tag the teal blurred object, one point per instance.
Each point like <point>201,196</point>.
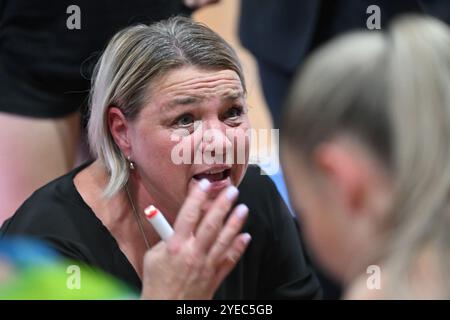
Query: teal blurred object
<point>23,251</point>
<point>30,270</point>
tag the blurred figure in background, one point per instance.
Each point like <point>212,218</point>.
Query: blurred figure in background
<point>366,154</point>
<point>280,34</point>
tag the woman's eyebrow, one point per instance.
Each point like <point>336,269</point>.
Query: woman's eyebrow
<point>182,101</point>
<point>233,95</point>
<point>185,100</point>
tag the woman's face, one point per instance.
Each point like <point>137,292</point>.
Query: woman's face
<point>342,197</point>
<point>317,210</point>
<point>194,126</point>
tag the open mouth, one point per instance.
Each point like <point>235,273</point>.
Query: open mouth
<point>214,175</point>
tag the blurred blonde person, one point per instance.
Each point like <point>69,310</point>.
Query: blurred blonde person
<point>366,152</point>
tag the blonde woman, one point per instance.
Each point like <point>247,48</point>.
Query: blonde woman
<point>367,159</point>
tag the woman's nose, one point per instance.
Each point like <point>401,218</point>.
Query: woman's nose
<point>215,140</point>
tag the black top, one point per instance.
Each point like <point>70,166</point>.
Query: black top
<point>273,267</point>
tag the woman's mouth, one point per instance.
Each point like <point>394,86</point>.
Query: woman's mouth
<point>213,175</point>
<point>219,178</point>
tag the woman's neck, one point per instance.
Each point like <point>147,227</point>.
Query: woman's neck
<point>116,214</point>
<point>90,183</point>
<point>143,198</point>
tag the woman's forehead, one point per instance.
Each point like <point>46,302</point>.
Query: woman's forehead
<point>191,83</point>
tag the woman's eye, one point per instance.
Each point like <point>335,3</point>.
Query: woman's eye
<point>185,120</point>
<point>234,113</point>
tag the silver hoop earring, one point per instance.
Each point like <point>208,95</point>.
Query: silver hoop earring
<point>130,163</point>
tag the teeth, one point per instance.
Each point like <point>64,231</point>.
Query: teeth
<point>214,171</point>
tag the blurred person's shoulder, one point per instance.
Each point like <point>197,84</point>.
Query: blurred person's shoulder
<point>364,288</point>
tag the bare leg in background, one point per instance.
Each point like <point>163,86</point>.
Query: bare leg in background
<point>32,153</point>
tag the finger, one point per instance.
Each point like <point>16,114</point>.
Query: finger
<point>227,235</point>
<point>232,256</point>
<point>212,223</point>
<point>190,212</point>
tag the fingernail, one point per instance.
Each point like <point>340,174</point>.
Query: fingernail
<point>241,211</point>
<point>204,184</point>
<point>232,192</point>
<point>246,238</point>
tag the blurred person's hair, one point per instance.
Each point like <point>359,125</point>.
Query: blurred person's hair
<point>391,90</point>
<point>135,58</point>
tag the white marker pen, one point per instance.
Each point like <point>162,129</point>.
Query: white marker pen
<point>156,218</point>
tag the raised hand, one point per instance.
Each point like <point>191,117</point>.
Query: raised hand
<point>202,251</point>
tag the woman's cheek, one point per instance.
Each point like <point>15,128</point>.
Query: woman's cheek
<point>179,149</point>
